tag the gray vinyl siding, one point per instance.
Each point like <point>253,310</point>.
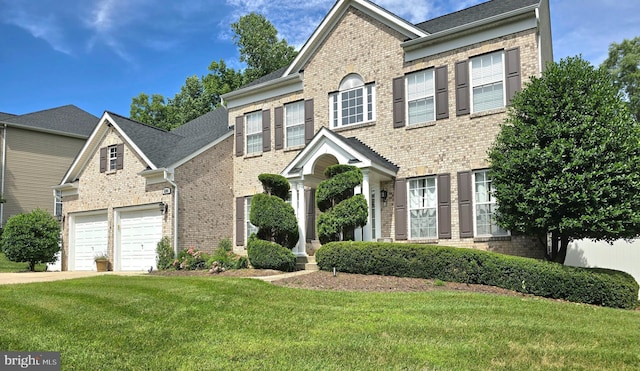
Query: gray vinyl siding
<point>35,162</point>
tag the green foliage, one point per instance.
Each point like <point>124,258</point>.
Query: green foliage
<point>223,258</point>
<point>342,211</point>
<point>31,237</point>
<point>592,286</point>
<point>270,255</point>
<point>275,185</point>
<point>275,218</point>
<point>567,160</point>
<point>623,64</point>
<point>165,256</point>
<point>259,46</point>
<point>191,259</point>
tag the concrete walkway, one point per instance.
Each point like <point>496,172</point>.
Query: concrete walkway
<point>28,277</point>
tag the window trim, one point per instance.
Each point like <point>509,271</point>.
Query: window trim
<point>249,228</point>
<point>256,134</point>
<point>503,81</point>
<point>57,200</point>
<point>287,125</point>
<point>475,204</point>
<point>368,104</point>
<point>435,207</point>
<point>112,158</point>
<point>424,97</point>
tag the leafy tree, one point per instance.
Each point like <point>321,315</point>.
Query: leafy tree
<point>274,217</point>
<point>150,110</point>
<point>342,210</point>
<point>567,159</point>
<point>259,46</point>
<point>624,65</point>
<point>31,237</point>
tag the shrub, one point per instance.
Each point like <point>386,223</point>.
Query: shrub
<point>275,185</point>
<point>31,237</point>
<point>165,255</point>
<point>270,255</point>
<point>223,258</point>
<point>191,259</point>
<point>584,285</point>
<point>275,219</point>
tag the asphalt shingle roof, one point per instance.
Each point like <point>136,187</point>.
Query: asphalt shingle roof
<point>164,148</point>
<point>6,116</point>
<point>473,14</point>
<point>66,119</point>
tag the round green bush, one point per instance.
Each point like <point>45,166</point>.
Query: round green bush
<point>269,255</point>
<point>31,237</point>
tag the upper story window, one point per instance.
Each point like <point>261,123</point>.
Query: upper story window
<point>487,82</point>
<point>294,124</point>
<point>353,103</point>
<point>485,206</point>
<point>420,97</point>
<point>423,206</point>
<point>112,158</point>
<point>253,123</point>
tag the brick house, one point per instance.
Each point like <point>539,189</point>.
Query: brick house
<point>132,184</point>
<point>414,106</point>
<point>35,151</point>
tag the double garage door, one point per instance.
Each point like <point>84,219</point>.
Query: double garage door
<point>135,240</point>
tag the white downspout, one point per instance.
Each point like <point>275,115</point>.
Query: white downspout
<point>4,165</point>
<point>175,212</point>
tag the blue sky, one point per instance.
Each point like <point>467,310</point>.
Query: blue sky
<point>98,54</point>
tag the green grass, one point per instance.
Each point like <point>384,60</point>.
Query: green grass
<point>7,266</point>
<point>204,323</point>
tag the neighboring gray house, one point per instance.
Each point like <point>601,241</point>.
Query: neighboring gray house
<point>36,150</point>
<point>133,184</point>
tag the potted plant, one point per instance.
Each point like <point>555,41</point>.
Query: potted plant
<point>102,262</point>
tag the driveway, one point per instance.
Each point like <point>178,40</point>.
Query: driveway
<point>28,277</point>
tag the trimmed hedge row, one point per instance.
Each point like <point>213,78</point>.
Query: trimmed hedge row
<point>269,255</point>
<point>604,287</point>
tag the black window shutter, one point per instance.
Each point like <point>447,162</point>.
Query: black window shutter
<point>444,206</point>
<point>239,136</point>
<point>398,102</point>
<point>465,204</point>
<point>512,72</point>
<point>278,118</point>
<point>239,221</point>
<point>442,93</point>
<point>400,202</point>
<point>266,130</point>
<point>308,121</point>
<point>103,159</point>
<point>310,198</point>
<point>462,88</point>
<point>120,156</point>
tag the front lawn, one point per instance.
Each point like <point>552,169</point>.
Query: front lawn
<point>7,266</point>
<point>204,323</point>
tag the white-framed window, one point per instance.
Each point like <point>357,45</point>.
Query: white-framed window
<point>487,81</point>
<point>423,208</point>
<point>253,123</point>
<point>353,103</point>
<point>372,211</point>
<point>250,228</point>
<point>294,124</point>
<point>57,203</point>
<point>421,105</point>
<point>112,152</point>
<point>485,206</point>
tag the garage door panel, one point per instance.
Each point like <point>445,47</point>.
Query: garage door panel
<point>140,232</point>
<point>89,239</point>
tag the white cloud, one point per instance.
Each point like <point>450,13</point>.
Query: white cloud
<point>42,26</point>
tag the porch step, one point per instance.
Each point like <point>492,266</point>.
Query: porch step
<point>306,263</point>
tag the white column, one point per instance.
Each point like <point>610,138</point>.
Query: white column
<point>366,232</point>
<point>302,241</point>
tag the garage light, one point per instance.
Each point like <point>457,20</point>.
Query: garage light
<point>163,207</point>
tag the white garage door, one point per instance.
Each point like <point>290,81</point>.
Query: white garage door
<point>89,239</point>
<point>140,232</point>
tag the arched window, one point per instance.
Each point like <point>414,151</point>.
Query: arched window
<point>354,103</point>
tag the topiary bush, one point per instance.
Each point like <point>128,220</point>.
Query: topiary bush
<point>275,218</point>
<point>269,255</point>
<point>541,278</point>
<point>165,255</point>
<point>342,211</point>
<point>31,237</point>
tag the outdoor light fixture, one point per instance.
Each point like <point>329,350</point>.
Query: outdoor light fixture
<point>163,207</point>
<point>383,195</point>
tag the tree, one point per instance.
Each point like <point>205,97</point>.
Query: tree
<point>259,46</point>
<point>567,159</point>
<point>152,111</point>
<point>31,237</point>
<point>274,217</point>
<point>342,210</point>
<point>623,64</point>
